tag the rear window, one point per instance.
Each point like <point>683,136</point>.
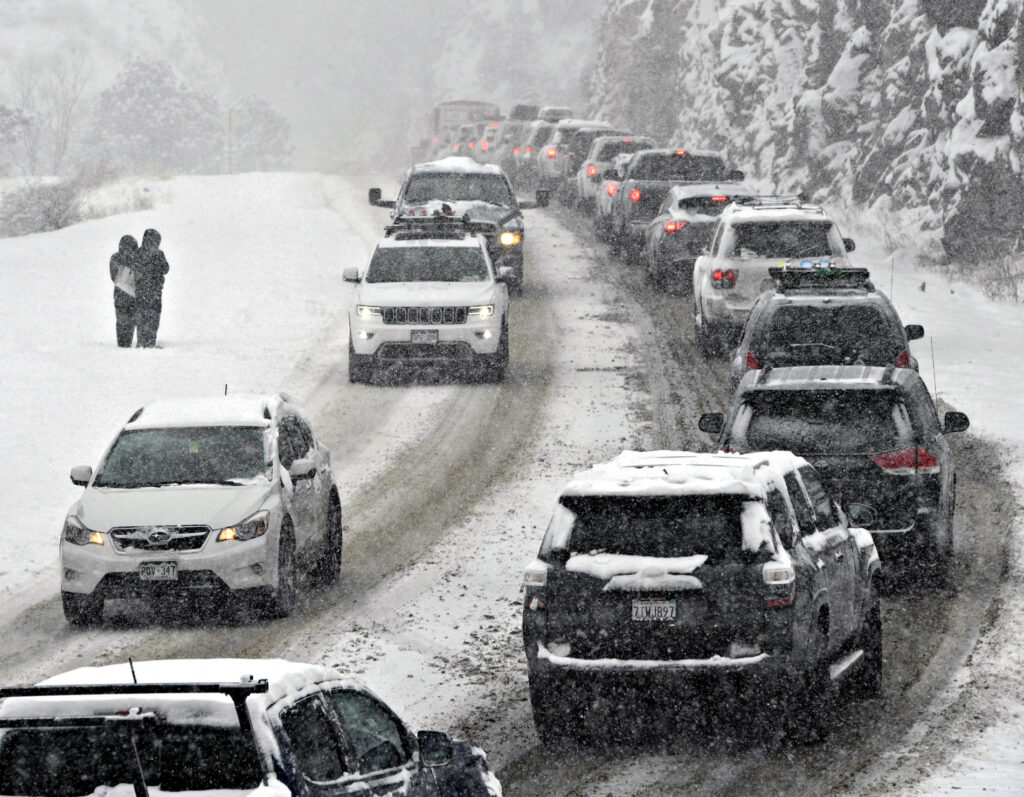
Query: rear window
<point>458,187</point>
<point>427,264</point>
<point>609,149</point>
<point>540,135</point>
<point>79,761</point>
<point>705,205</point>
<point>822,422</point>
<point>685,168</point>
<point>658,526</point>
<point>784,239</point>
<point>829,335</point>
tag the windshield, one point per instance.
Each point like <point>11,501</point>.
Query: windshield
<point>428,264</point>
<point>829,336</point>
<point>658,526</point>
<point>458,187</point>
<point>80,761</point>
<point>684,168</point>
<point>185,455</point>
<point>823,422</point>
<point>784,239</point>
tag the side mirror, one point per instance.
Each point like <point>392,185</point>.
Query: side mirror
<point>302,469</point>
<point>435,748</point>
<point>542,198</point>
<point>914,331</point>
<point>711,422</point>
<point>955,422</point>
<point>505,273</point>
<point>81,474</point>
<point>350,274</point>
<point>736,175</point>
<point>849,244</point>
<point>375,196</point>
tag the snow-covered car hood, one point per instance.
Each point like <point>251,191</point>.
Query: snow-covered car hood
<point>426,294</point>
<point>478,211</point>
<point>216,506</point>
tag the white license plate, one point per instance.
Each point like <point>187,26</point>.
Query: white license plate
<point>424,336</point>
<point>653,611</point>
<point>158,571</point>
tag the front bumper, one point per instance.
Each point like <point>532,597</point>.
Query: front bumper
<point>234,565</point>
<point>372,337</point>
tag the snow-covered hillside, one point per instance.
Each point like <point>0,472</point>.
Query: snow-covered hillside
<point>911,107</point>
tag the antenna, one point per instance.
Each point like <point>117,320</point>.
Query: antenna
<point>892,272</point>
<point>225,388</point>
<point>131,664</point>
<point>935,384</point>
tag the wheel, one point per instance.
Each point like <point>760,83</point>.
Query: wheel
<point>601,231</point>
<point>809,705</point>
<point>82,611</point>
<point>282,599</point>
<point>360,366</point>
<point>559,708</point>
<point>704,336</point>
<point>867,683</point>
<point>652,275</point>
<point>495,365</point>
<point>329,566</point>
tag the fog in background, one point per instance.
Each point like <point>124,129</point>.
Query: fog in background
<point>356,79</point>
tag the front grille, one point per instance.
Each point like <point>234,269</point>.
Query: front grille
<point>425,315</point>
<point>425,351</point>
<point>159,538</point>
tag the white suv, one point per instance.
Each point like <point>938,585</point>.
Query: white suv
<point>230,496</point>
<point>430,295</point>
<point>753,235</point>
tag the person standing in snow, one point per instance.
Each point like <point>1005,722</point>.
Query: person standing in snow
<point>151,266</point>
<point>122,274</point>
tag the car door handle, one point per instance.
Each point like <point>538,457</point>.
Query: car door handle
<point>820,564</point>
<point>840,556</point>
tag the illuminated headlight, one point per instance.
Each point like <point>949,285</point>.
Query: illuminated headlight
<point>75,532</point>
<point>482,311</point>
<point>508,238</point>
<point>255,526</point>
<point>367,311</point>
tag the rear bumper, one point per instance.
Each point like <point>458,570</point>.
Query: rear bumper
<point>761,663</point>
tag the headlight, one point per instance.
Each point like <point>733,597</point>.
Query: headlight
<point>482,311</point>
<point>367,311</point>
<point>510,238</point>
<point>255,526</point>
<point>75,532</point>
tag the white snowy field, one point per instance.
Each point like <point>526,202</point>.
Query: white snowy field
<point>254,300</point>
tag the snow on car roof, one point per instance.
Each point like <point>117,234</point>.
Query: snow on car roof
<point>470,241</point>
<point>680,473</point>
<point>687,190</point>
<point>241,409</point>
<point>700,153</point>
<point>565,124</point>
<point>781,212</point>
<point>457,163</point>
<point>831,377</point>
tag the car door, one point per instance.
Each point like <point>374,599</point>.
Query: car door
<point>382,748</point>
<point>314,751</point>
<point>300,501</point>
<point>321,480</point>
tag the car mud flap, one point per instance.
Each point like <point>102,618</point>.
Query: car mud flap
<point>846,666</point>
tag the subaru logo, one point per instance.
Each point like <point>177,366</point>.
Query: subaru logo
<point>159,536</point>
<point>821,464</point>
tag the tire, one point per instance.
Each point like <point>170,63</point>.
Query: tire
<point>82,611</point>
<point>652,275</point>
<point>495,365</point>
<point>704,337</point>
<point>560,707</point>
<point>601,229</point>
<point>329,566</point>
<point>808,711</point>
<point>360,366</point>
<point>867,683</point>
<point>282,599</point>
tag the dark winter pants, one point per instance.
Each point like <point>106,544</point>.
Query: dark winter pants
<point>124,310</point>
<point>147,316</point>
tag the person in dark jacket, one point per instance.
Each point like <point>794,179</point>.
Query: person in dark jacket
<point>150,268</point>
<point>122,274</point>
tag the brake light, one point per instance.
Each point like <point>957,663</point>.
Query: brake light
<point>780,584</point>
<point>902,463</point>
<point>634,195</point>
<point>611,188</point>
<point>680,152</point>
<point>674,226</point>
<point>903,359</point>
<point>719,199</point>
<point>591,170</point>
<point>435,139</point>
<point>723,279</point>
<point>457,145</point>
<point>529,150</point>
<point>515,150</point>
<point>752,363</point>
<point>484,145</point>
<point>495,124</point>
<point>552,152</point>
<point>627,141</point>
<point>472,144</point>
<point>535,580</point>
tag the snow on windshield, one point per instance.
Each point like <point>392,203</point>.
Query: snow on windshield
<point>458,187</point>
<point>427,264</point>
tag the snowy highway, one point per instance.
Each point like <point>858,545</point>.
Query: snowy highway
<point>446,489</point>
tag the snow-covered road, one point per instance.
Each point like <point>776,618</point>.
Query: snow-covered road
<point>446,488</point>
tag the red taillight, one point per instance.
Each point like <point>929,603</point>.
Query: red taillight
<point>752,363</point>
<point>552,152</point>
<point>472,144</point>
<point>435,139</point>
<point>529,150</point>
<point>680,152</point>
<point>627,141</point>
<point>780,584</point>
<point>484,145</point>
<point>634,195</point>
<point>515,150</point>
<point>591,170</point>
<point>457,145</point>
<point>495,124</point>
<point>723,279</point>
<point>906,462</point>
<point>719,199</point>
<point>611,188</point>
<point>674,226</point>
<point>903,359</point>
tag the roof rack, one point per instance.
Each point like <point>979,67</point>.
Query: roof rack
<point>819,275</point>
<point>437,225</point>
<point>798,201</point>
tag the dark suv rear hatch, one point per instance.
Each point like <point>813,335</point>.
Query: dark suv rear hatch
<point>656,578</point>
